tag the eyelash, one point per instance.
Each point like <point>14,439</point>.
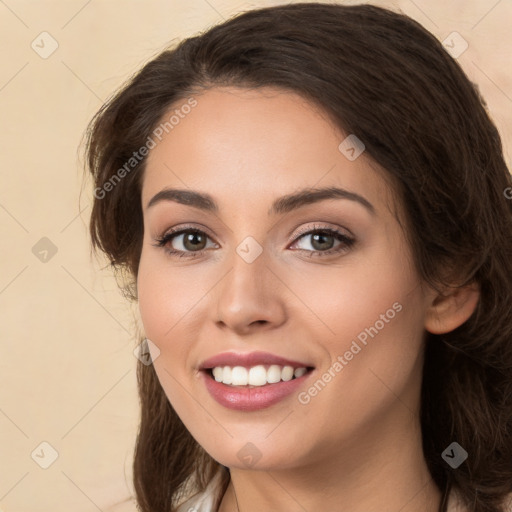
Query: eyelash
<point>346,241</point>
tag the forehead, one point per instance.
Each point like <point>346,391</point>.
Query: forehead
<point>263,142</point>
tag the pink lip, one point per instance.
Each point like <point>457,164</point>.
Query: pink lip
<point>251,399</point>
<point>249,359</point>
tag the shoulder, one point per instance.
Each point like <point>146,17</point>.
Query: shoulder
<point>203,502</point>
<point>199,502</point>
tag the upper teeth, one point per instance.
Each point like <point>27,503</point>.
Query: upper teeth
<point>256,375</point>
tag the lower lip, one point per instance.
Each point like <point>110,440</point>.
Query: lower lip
<point>251,399</point>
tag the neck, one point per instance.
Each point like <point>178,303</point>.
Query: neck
<point>385,470</point>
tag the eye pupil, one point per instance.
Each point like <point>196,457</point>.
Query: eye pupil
<point>319,238</point>
<point>193,239</point>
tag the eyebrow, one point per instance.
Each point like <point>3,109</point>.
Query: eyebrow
<point>282,205</point>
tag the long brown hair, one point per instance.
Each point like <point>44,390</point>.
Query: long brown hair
<point>382,76</point>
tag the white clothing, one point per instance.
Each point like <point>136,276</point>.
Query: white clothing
<point>204,502</point>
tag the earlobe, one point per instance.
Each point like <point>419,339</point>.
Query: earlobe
<point>450,310</point>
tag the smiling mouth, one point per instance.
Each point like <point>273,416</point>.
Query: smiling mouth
<point>256,376</point>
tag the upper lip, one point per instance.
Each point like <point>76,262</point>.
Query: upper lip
<point>249,359</point>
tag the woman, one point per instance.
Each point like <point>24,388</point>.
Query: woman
<point>310,201</point>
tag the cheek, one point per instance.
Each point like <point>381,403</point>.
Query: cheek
<point>370,315</point>
<point>172,307</point>
<point>164,301</point>
<point>168,296</point>
<point>350,297</point>
<point>372,361</point>
<point>153,302</point>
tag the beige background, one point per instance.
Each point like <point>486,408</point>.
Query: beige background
<point>67,370</point>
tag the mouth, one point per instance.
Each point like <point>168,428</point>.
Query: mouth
<point>249,389</point>
<point>253,381</point>
<point>257,375</point>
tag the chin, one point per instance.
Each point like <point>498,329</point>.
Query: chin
<point>251,455</point>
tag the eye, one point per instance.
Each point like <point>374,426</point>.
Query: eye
<point>184,242</point>
<point>323,240</point>
<point>191,242</point>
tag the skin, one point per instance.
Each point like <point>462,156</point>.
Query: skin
<point>356,446</point>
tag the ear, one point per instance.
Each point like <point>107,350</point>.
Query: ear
<point>451,308</point>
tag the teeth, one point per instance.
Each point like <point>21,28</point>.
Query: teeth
<point>227,375</point>
<point>274,374</point>
<point>239,376</point>
<point>287,373</point>
<point>256,375</point>
<point>217,373</point>
<point>299,372</point>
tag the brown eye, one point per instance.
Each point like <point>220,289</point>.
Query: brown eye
<point>185,242</point>
<point>323,241</point>
<point>194,241</point>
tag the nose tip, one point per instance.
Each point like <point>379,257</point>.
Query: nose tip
<point>245,318</point>
<point>248,298</point>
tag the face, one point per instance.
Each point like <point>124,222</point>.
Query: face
<point>325,282</point>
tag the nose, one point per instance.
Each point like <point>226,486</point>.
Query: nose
<point>250,297</point>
